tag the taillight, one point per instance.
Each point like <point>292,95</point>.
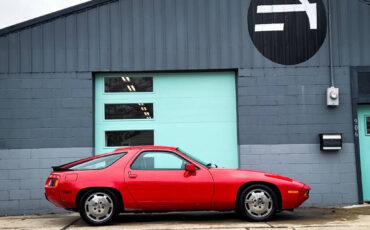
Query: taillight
<point>307,193</point>
<point>53,180</point>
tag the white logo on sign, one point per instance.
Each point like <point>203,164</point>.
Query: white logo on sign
<point>305,6</point>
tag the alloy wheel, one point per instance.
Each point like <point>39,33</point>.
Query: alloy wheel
<point>98,207</point>
<point>258,203</point>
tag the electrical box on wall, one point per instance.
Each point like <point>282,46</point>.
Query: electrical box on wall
<point>330,141</point>
<point>332,97</point>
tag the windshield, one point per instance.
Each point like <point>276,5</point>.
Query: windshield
<point>97,163</point>
<point>193,157</point>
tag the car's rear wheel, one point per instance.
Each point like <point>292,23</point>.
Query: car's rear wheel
<point>98,206</point>
<point>258,202</point>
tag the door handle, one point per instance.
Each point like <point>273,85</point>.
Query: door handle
<point>132,175</point>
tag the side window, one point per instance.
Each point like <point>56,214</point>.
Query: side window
<point>153,160</point>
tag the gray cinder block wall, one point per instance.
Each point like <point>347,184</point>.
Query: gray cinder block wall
<point>23,173</point>
<point>45,120</point>
<point>281,113</point>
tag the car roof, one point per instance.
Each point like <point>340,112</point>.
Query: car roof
<point>144,147</point>
<point>119,150</point>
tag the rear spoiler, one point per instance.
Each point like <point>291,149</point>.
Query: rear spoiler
<point>59,168</point>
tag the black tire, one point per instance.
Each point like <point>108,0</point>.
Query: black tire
<point>262,203</point>
<point>98,207</point>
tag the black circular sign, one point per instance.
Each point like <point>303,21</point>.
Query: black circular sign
<point>287,32</point>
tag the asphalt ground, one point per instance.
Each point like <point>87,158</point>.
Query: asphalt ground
<point>354,217</point>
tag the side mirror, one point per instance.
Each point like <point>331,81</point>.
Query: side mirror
<point>190,168</point>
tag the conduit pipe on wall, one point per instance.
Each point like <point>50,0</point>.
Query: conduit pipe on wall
<point>332,93</point>
<point>330,46</point>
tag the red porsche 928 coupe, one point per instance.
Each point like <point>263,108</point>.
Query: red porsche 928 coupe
<point>158,178</point>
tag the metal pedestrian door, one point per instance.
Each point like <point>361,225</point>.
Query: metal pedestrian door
<point>364,137</point>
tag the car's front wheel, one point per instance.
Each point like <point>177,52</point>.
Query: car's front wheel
<point>98,207</point>
<point>258,202</point>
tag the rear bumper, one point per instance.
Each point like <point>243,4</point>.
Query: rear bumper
<point>53,196</point>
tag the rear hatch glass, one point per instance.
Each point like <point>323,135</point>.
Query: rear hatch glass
<point>91,164</point>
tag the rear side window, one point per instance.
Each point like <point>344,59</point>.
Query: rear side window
<point>97,163</point>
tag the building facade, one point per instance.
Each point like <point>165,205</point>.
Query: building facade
<point>240,83</point>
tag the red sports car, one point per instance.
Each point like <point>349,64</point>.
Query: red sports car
<point>158,178</point>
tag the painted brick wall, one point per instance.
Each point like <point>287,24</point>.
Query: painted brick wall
<point>46,119</point>
<point>23,173</point>
<point>331,175</point>
<point>288,105</point>
<point>281,113</point>
<point>48,110</point>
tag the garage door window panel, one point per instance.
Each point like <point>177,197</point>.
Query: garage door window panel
<point>128,84</point>
<point>129,138</point>
<point>129,111</point>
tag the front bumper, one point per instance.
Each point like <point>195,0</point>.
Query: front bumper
<point>303,195</point>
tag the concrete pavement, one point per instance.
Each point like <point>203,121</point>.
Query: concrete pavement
<point>356,217</point>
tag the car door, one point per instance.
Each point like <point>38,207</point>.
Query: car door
<point>157,180</point>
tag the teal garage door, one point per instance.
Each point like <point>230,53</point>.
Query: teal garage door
<point>193,111</point>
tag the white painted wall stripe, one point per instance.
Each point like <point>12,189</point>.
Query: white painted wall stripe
<point>281,8</point>
<point>269,27</point>
<point>305,6</point>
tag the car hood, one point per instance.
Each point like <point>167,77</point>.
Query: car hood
<point>255,174</point>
